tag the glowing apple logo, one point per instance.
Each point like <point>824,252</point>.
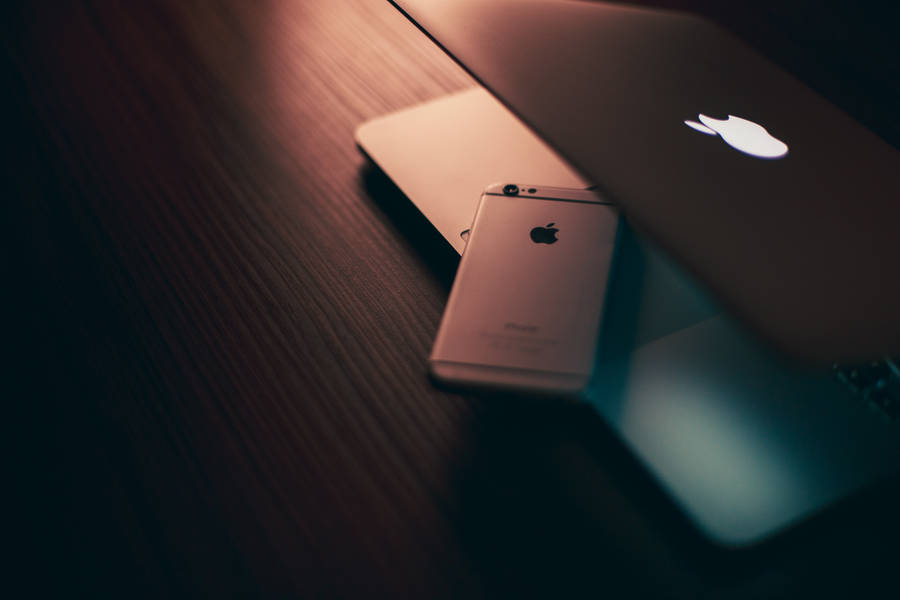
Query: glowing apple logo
<point>741,134</point>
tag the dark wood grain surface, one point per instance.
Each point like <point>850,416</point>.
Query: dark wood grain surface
<point>218,317</point>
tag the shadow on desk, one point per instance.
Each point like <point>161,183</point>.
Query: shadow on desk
<point>553,505</point>
<point>410,225</point>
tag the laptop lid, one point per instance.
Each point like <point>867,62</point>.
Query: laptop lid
<point>779,201</point>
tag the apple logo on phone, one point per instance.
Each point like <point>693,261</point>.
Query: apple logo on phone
<point>544,235</point>
<point>748,137</point>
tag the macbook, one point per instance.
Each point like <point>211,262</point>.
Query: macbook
<point>777,200</point>
<point>746,226</point>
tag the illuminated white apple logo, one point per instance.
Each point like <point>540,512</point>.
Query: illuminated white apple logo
<point>741,134</point>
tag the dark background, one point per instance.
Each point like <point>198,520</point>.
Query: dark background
<point>217,319</point>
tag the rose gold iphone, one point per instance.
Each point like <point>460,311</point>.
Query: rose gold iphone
<point>525,309</point>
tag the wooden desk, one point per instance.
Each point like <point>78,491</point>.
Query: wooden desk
<point>219,317</point>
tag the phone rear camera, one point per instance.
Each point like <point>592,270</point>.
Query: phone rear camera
<point>510,189</point>
<point>531,190</point>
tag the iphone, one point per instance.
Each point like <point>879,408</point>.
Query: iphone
<point>525,309</point>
